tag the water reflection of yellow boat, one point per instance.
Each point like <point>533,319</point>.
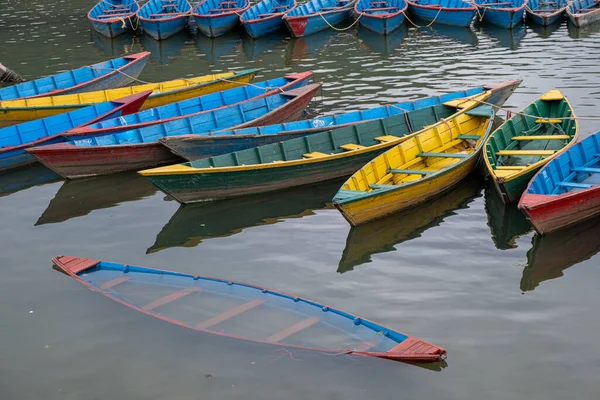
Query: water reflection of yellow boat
<point>383,235</point>
<point>552,254</point>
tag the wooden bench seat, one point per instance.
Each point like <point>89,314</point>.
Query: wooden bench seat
<point>469,137</point>
<point>542,137</point>
<point>314,154</point>
<point>587,170</point>
<point>380,9</point>
<point>112,16</point>
<point>408,171</point>
<point>548,121</point>
<point>167,15</point>
<point>443,155</point>
<point>223,10</point>
<point>386,138</point>
<point>352,147</point>
<point>510,153</point>
<point>573,185</point>
<point>376,186</point>
<point>510,167</point>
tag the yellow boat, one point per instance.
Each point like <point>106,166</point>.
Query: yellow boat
<point>412,172</point>
<point>18,111</point>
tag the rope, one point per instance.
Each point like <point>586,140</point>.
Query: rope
<point>422,26</point>
<point>341,29</point>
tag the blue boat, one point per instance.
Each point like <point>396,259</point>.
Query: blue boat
<point>246,312</point>
<point>195,147</point>
<point>381,16</point>
<point>445,12</point>
<point>217,17</point>
<point>583,12</point>
<point>105,75</point>
<point>111,18</point>
<point>317,15</point>
<point>162,19</point>
<point>15,139</point>
<point>545,12</point>
<point>266,17</point>
<point>502,13</point>
<point>189,107</point>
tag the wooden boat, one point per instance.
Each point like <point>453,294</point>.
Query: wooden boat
<point>522,145</point>
<point>550,255</point>
<point>383,17</point>
<point>217,17</point>
<point>583,12</point>
<point>384,235</point>
<point>105,75</point>
<point>162,19</point>
<point>17,111</point>
<point>566,190</point>
<point>445,12</point>
<point>138,149</point>
<point>111,18</point>
<point>418,169</point>
<point>14,140</point>
<point>275,318</point>
<point>502,13</point>
<point>317,15</point>
<point>265,17</point>
<point>545,13</point>
<point>195,147</point>
<point>307,160</point>
<point>197,105</point>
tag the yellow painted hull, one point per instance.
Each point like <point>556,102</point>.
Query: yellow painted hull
<point>371,208</point>
<point>18,111</point>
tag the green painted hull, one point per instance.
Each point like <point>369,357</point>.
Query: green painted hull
<point>511,191</point>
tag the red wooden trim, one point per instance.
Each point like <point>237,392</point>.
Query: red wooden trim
<point>114,282</point>
<point>74,265</point>
<point>171,297</point>
<point>230,314</point>
<point>307,323</point>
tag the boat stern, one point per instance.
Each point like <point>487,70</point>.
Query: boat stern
<point>501,91</point>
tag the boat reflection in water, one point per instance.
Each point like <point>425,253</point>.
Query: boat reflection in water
<point>506,222</point>
<point>274,42</point>
<point>509,38</point>
<point>382,44</point>
<point>192,224</point>
<point>384,234</point>
<point>459,34</point>
<point>298,48</point>
<point>544,31</point>
<point>164,51</point>
<point>583,32</point>
<point>126,43</point>
<point>554,253</point>
<point>215,48</point>
<point>25,177</point>
<point>79,197</point>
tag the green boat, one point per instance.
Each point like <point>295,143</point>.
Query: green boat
<point>523,144</point>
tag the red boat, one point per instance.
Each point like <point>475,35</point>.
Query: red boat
<point>567,190</point>
<point>139,148</point>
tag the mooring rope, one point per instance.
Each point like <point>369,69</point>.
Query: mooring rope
<point>340,29</point>
<point>422,26</point>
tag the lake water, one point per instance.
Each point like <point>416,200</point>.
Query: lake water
<point>517,313</point>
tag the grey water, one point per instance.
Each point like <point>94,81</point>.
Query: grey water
<point>517,313</point>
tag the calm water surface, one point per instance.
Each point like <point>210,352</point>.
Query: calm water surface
<point>517,313</point>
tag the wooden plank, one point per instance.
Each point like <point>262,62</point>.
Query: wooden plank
<point>292,330</point>
<point>542,137</point>
<point>314,154</point>
<point>587,169</point>
<point>408,171</point>
<point>114,282</point>
<point>574,185</point>
<point>386,138</point>
<point>525,152</point>
<point>443,155</point>
<point>352,147</point>
<point>234,312</point>
<point>171,297</point>
<point>375,186</point>
<point>510,167</point>
<point>469,137</point>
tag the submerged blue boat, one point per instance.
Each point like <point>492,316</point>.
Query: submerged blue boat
<point>381,16</point>
<point>201,104</point>
<point>502,13</point>
<point>317,15</point>
<point>246,312</point>
<point>266,17</point>
<point>217,17</point>
<point>445,12</point>
<point>105,75</point>
<point>15,139</point>
<point>162,19</point>
<point>194,147</point>
<point>583,12</point>
<point>111,18</point>
<point>545,12</point>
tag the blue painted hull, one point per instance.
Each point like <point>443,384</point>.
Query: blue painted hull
<point>214,26</point>
<point>383,26</point>
<point>113,29</point>
<point>259,28</point>
<point>503,19</point>
<point>161,30</point>
<point>461,18</point>
<point>307,25</point>
<point>19,158</point>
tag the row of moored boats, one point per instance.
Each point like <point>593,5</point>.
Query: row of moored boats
<point>164,18</point>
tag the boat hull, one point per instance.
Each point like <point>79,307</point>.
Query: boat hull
<point>161,30</point>
<point>548,214</point>
<point>511,191</point>
<point>384,25</point>
<point>114,29</point>
<point>445,16</point>
<point>257,28</point>
<point>508,18</point>
<point>580,20</point>
<point>214,26</point>
<point>369,209</point>
<point>306,25</point>
<point>544,19</point>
